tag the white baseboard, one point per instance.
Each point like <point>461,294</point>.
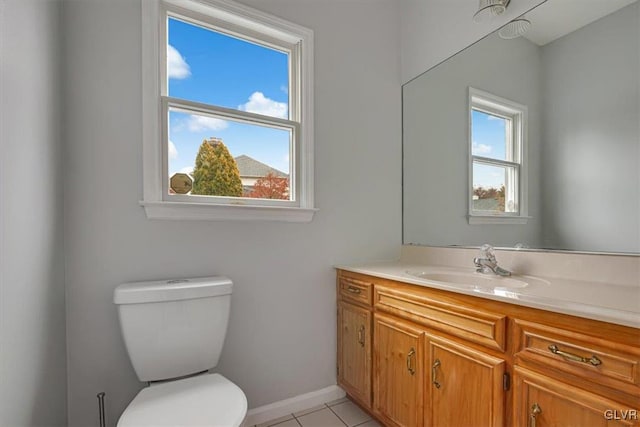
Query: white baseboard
<point>279,409</point>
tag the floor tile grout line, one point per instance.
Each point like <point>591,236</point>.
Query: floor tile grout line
<point>355,425</point>
<point>321,409</point>
<point>312,412</point>
<point>343,422</point>
<point>293,417</point>
<point>326,406</point>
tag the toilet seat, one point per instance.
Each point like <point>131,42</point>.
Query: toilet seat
<point>206,400</point>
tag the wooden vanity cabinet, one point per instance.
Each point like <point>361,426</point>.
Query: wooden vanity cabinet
<point>415,356</point>
<point>463,347</point>
<point>355,338</point>
<point>465,386</point>
<point>543,401</point>
<point>398,380</point>
<point>354,363</point>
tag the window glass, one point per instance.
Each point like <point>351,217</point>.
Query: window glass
<point>214,68</point>
<point>494,188</point>
<point>246,160</point>
<point>490,136</point>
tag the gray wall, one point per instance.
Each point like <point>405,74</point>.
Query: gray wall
<point>436,143</point>
<point>281,339</point>
<point>32,326</point>
<point>591,138</point>
<point>433,30</point>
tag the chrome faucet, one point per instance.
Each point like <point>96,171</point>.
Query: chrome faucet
<point>486,263</point>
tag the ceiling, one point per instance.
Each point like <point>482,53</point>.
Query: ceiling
<point>556,18</point>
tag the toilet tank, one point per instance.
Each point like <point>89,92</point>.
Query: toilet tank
<point>173,328</point>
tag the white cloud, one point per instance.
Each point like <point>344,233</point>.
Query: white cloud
<point>187,170</point>
<point>173,151</point>
<point>260,104</point>
<point>284,88</point>
<point>480,148</point>
<point>177,67</point>
<point>201,123</point>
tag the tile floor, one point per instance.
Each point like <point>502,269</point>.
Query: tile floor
<point>339,413</point>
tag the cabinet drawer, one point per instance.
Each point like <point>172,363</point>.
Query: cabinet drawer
<point>355,290</point>
<point>544,401</point>
<point>477,326</point>
<point>596,359</point>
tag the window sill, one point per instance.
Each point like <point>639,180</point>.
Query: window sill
<point>494,219</point>
<point>209,212</point>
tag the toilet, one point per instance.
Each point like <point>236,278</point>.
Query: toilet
<point>174,332</point>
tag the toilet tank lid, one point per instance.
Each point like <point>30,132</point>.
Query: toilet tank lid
<point>172,290</point>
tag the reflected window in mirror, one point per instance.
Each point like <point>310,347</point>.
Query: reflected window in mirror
<point>497,166</point>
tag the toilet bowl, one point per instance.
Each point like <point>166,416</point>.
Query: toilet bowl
<point>174,332</point>
<point>205,400</point>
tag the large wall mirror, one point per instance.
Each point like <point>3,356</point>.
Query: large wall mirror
<point>530,142</point>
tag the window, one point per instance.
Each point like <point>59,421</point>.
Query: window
<point>497,167</point>
<point>227,113</point>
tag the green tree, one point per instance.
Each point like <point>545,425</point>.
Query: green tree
<point>216,172</point>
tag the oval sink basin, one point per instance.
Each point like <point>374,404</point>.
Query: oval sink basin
<point>470,279</point>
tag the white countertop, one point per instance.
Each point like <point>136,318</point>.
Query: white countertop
<point>612,303</point>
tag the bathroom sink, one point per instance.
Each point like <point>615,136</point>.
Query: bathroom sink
<point>471,279</point>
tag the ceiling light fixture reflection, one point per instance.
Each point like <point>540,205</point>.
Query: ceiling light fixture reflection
<point>487,9</point>
<point>515,28</point>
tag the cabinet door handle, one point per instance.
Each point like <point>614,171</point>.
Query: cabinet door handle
<point>535,411</point>
<point>353,289</point>
<point>410,356</point>
<point>593,360</point>
<point>361,335</point>
<point>434,372</point>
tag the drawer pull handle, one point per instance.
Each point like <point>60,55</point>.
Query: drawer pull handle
<point>361,335</point>
<point>434,373</point>
<point>535,411</point>
<point>593,360</point>
<point>353,290</point>
<point>410,356</point>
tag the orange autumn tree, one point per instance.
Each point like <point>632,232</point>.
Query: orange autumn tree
<point>492,193</point>
<point>271,187</point>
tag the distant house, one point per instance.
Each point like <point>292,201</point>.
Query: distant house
<point>252,170</point>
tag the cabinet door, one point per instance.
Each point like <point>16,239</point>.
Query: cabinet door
<point>466,386</point>
<point>354,351</point>
<point>398,372</point>
<point>541,401</point>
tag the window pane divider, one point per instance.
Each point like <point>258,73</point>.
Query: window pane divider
<point>494,162</point>
<point>229,113</point>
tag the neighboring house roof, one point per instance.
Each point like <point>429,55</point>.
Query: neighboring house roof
<point>251,167</point>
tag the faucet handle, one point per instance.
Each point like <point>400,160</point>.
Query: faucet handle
<point>486,251</point>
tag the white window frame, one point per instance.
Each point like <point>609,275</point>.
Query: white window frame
<point>234,19</point>
<point>517,115</point>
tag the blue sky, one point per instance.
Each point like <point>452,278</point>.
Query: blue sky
<point>488,140</point>
<point>212,68</point>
